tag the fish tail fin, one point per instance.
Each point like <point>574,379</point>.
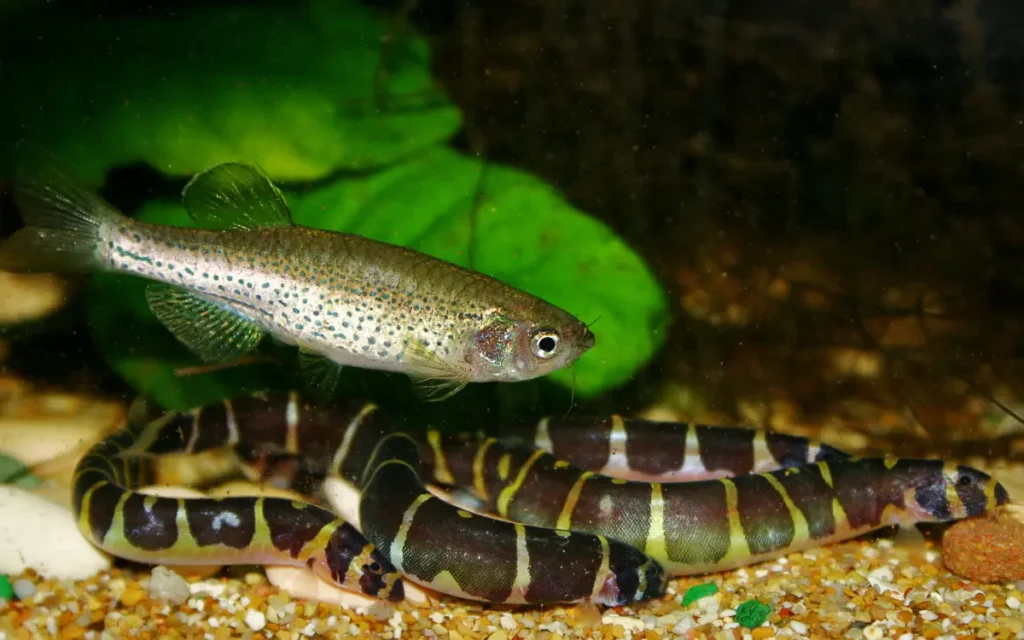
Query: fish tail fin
<point>65,221</point>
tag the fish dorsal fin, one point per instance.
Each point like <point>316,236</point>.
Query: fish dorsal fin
<point>212,332</point>
<point>234,195</point>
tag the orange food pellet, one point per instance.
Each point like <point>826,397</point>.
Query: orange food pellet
<point>986,549</point>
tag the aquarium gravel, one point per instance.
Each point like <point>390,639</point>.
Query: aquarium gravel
<point>881,589</point>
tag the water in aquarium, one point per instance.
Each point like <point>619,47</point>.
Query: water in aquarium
<point>541,319</point>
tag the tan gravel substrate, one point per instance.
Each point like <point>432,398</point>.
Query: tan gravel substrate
<point>880,589</point>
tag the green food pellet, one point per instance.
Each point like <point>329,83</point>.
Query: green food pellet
<point>699,591</point>
<point>752,613</point>
<point>6,592</point>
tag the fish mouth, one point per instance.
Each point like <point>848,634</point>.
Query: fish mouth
<point>587,340</point>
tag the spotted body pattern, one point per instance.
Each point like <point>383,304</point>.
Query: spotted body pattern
<point>743,495</point>
<point>342,299</point>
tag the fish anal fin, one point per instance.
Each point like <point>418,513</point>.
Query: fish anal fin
<point>320,374</point>
<point>235,195</point>
<point>213,333</point>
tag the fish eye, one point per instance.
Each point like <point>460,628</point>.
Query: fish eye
<point>545,344</point>
<point>375,567</point>
<point>964,481</point>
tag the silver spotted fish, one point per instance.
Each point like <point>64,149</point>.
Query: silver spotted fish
<point>342,299</point>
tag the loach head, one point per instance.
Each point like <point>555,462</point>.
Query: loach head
<point>632,576</point>
<point>945,491</point>
<point>533,342</point>
<point>377,577</point>
<point>364,571</point>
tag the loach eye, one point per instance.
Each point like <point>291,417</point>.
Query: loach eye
<point>964,481</point>
<point>545,344</point>
<point>375,567</point>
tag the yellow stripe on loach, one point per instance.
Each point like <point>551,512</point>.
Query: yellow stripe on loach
<point>801,530</point>
<point>655,546</point>
<point>117,523</point>
<point>738,546</point>
<point>504,464</point>
<point>441,471</point>
<point>479,478</point>
<point>826,473</point>
<point>506,495</point>
<point>346,440</point>
<point>397,551</point>
<point>319,543</point>
<point>565,517</point>
<point>521,584</point>
<point>261,538</point>
<point>957,509</point>
<point>606,563</point>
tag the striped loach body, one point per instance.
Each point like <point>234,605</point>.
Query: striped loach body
<point>429,540</point>
<point>713,525</point>
<point>476,557</point>
<point>229,530</point>
<point>732,496</point>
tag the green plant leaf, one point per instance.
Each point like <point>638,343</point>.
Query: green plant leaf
<point>293,87</point>
<point>527,236</point>
<point>13,471</point>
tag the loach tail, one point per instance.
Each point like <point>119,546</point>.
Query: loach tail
<point>65,221</point>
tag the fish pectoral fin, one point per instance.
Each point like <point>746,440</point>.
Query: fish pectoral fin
<point>234,195</point>
<point>210,331</point>
<point>320,374</point>
<point>433,378</point>
<point>436,389</point>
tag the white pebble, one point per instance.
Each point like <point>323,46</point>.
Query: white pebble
<point>508,622</point>
<point>32,527</point>
<point>874,632</point>
<point>165,584</point>
<point>929,615</point>
<point>1013,602</point>
<point>215,589</point>
<point>23,589</point>
<point>798,627</point>
<point>629,624</point>
<point>255,619</point>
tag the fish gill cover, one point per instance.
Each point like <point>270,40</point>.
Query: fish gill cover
<point>353,130</point>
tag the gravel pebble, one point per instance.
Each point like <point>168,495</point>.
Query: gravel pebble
<point>255,620</point>
<point>823,593</point>
<point>23,589</point>
<point>165,584</point>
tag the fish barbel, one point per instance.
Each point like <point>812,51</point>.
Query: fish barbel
<point>342,299</point>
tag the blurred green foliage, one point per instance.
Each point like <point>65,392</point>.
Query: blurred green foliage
<point>301,92</point>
